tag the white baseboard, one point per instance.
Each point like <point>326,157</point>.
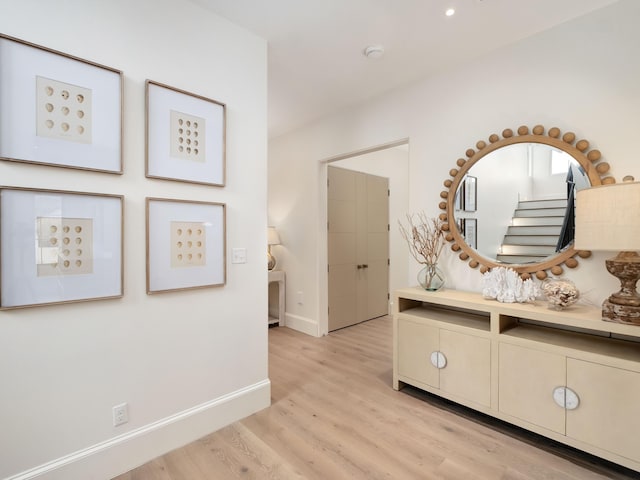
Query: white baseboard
<point>120,454</point>
<point>301,324</point>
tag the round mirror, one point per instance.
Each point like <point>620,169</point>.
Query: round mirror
<point>511,201</point>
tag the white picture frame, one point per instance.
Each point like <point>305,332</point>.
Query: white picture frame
<point>185,136</point>
<point>59,247</point>
<point>186,244</point>
<point>59,110</point>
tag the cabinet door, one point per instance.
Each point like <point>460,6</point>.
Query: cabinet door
<point>527,379</point>
<point>607,416</point>
<point>416,342</point>
<point>468,370</point>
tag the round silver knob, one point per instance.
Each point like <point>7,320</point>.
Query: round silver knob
<point>438,360</point>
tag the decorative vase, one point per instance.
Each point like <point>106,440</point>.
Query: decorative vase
<point>560,292</point>
<point>431,277</point>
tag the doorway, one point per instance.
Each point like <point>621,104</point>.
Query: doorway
<point>358,246</point>
<point>390,160</point>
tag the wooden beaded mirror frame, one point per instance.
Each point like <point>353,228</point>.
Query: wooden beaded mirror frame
<point>590,160</point>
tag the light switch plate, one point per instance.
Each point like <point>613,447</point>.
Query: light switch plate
<point>239,255</point>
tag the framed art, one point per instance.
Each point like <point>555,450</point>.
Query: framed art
<point>60,110</point>
<point>186,244</point>
<point>470,194</point>
<point>471,232</point>
<point>457,201</point>
<point>185,136</point>
<point>59,247</point>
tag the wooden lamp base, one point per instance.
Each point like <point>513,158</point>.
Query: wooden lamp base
<point>624,305</point>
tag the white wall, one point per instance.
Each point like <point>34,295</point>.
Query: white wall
<point>546,185</point>
<point>582,76</point>
<point>187,362</point>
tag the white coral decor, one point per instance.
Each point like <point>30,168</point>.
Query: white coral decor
<point>505,285</point>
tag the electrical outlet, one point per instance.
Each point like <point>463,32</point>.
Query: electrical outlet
<point>120,414</point>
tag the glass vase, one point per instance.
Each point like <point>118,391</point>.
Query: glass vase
<point>431,277</point>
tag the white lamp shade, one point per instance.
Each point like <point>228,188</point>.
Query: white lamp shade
<point>272,236</point>
<point>608,217</point>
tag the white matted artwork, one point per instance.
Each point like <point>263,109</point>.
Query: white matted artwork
<point>59,247</point>
<point>470,193</point>
<point>64,246</point>
<point>56,109</point>
<point>63,111</point>
<point>185,136</point>
<point>186,244</point>
<point>471,232</point>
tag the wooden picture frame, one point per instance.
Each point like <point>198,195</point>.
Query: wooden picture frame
<point>185,136</point>
<point>59,247</point>
<point>186,244</point>
<point>59,110</point>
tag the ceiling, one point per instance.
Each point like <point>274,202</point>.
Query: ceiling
<point>315,47</point>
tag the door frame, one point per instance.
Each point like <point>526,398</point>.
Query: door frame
<point>323,250</point>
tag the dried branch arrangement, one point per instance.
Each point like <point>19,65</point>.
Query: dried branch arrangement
<point>424,236</point>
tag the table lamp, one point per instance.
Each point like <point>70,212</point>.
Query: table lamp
<point>272,239</point>
<point>608,218</point>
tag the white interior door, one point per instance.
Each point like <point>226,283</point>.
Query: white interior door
<point>358,236</point>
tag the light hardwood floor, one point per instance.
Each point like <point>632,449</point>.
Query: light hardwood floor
<point>335,416</point>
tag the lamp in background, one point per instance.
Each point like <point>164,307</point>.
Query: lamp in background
<point>272,239</point>
<point>608,218</point>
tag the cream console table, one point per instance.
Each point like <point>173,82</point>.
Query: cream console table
<point>276,317</point>
<point>566,375</point>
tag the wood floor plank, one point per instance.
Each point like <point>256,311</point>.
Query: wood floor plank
<point>179,465</point>
<point>153,470</point>
<point>335,416</point>
<point>293,446</point>
<point>236,451</point>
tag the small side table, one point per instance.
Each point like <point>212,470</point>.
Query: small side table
<point>276,315</point>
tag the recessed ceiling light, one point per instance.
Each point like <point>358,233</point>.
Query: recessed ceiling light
<point>373,51</point>
<point>449,12</point>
